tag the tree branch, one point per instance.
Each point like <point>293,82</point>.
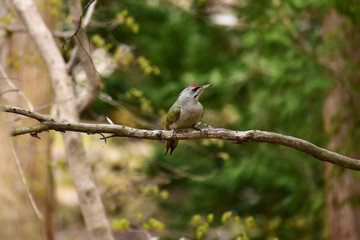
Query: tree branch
<point>21,28</point>
<point>27,113</point>
<point>217,133</point>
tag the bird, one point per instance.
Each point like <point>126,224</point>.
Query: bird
<point>185,113</point>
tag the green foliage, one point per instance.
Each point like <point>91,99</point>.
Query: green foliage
<point>129,21</point>
<point>121,225</point>
<point>235,225</point>
<point>136,95</point>
<point>146,67</point>
<point>98,41</point>
<point>124,224</point>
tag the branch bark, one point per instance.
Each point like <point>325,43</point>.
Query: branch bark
<point>90,202</point>
<point>217,133</point>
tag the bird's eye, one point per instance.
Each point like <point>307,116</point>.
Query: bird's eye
<point>195,89</point>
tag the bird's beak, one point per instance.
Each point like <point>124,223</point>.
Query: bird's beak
<point>202,89</point>
<point>206,86</point>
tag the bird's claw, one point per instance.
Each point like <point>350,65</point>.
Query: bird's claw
<point>197,126</point>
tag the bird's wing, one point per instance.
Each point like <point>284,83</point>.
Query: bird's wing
<point>172,116</point>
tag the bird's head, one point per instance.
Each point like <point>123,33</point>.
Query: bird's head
<point>194,92</point>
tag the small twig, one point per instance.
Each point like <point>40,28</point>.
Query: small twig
<point>109,120</point>
<point>84,25</point>
<point>103,137</point>
<point>35,135</point>
<point>184,174</point>
<point>32,201</point>
<point>107,137</point>
<point>79,25</point>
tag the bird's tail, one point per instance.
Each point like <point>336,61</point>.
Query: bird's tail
<point>171,144</point>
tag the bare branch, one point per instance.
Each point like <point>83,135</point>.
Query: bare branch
<point>27,113</point>
<point>89,14</point>
<point>13,28</point>
<point>216,133</point>
<point>21,28</point>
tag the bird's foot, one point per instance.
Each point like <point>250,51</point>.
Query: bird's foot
<point>196,128</point>
<point>201,125</point>
<point>173,133</point>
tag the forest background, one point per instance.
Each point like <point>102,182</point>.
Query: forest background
<point>290,67</point>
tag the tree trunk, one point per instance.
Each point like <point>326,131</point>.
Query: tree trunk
<point>341,123</point>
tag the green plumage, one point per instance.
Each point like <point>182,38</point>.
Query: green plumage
<point>172,116</point>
